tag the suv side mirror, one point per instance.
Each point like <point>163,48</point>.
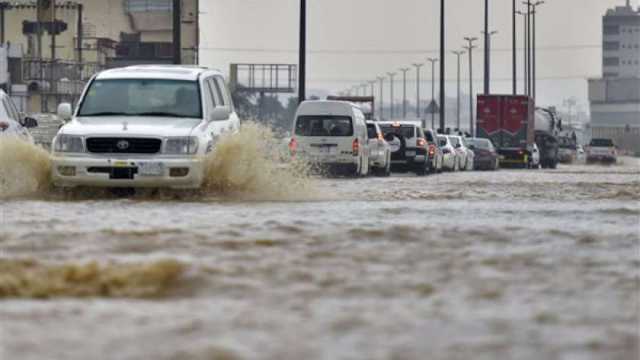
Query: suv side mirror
<point>65,112</point>
<point>29,122</point>
<point>220,113</point>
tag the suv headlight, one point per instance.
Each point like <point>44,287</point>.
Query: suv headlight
<point>69,144</point>
<point>187,145</point>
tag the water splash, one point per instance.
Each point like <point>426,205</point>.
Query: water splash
<point>24,168</point>
<point>249,165</point>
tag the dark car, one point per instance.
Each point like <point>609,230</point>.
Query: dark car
<point>486,154</point>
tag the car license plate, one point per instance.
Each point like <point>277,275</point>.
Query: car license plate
<point>410,153</point>
<point>326,150</point>
<point>150,169</point>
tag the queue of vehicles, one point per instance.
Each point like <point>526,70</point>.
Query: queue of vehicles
<point>150,126</point>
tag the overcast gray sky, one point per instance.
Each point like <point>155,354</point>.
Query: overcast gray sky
<point>351,41</point>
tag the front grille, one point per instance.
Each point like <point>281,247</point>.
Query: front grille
<point>124,145</point>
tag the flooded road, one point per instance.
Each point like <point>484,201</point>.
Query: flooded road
<point>504,265</point>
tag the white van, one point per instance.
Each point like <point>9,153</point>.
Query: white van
<point>143,126</point>
<point>332,135</point>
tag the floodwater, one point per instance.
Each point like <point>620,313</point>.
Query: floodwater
<point>483,265</point>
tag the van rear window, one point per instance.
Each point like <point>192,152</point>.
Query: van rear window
<point>601,143</point>
<point>323,125</point>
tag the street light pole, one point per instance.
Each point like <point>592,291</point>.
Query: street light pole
<point>470,48</point>
<point>525,50</point>
<point>404,91</point>
<point>514,54</point>
<point>535,10</point>
<point>487,82</point>
<point>302,62</point>
<point>418,66</point>
<point>458,54</point>
<point>433,62</point>
<point>529,12</point>
<point>392,99</point>
<point>381,79</point>
<point>487,72</point>
<point>442,66</point>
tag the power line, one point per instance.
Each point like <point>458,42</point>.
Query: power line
<point>504,79</point>
<point>391,51</point>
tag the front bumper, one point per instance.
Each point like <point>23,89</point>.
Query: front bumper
<point>114,172</point>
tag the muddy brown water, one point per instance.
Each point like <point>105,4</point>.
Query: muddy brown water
<point>483,265</point>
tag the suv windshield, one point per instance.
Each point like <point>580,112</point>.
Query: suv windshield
<point>142,97</point>
<point>324,125</point>
<point>454,141</point>
<point>601,143</point>
<point>407,132</point>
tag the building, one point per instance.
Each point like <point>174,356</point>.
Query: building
<point>76,39</point>
<point>615,98</point>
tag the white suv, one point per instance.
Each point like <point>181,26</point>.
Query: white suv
<point>143,126</point>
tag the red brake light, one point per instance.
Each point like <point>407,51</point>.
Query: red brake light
<point>293,146</point>
<point>421,143</point>
<point>380,137</point>
<point>356,147</point>
<point>4,126</point>
<point>432,149</point>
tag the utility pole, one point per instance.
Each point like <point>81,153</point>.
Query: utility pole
<point>470,48</point>
<point>442,66</point>
<point>529,12</point>
<point>418,66</point>
<point>373,85</point>
<point>381,79</point>
<point>433,62</point>
<point>391,112</point>
<point>487,82</point>
<point>80,31</point>
<point>514,54</point>
<point>487,72</point>
<point>404,91</point>
<point>302,61</point>
<point>525,52</point>
<point>535,10</point>
<point>177,32</point>
<point>3,7</point>
<point>458,54</point>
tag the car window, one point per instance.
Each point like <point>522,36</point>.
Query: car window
<point>406,131</point>
<point>8,110</point>
<point>13,109</point>
<point>152,97</point>
<point>601,142</point>
<point>442,141</point>
<point>481,144</point>
<point>212,92</point>
<point>209,99</point>
<point>324,125</point>
<point>429,136</point>
<point>454,141</point>
<point>372,133</point>
<point>220,94</point>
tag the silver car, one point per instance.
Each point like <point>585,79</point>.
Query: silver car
<point>12,122</point>
<point>379,150</point>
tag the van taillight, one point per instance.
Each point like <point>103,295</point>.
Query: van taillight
<point>356,147</point>
<point>4,126</point>
<point>293,146</point>
<point>380,137</point>
<point>421,143</point>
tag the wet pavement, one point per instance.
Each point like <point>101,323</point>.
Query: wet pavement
<point>483,265</point>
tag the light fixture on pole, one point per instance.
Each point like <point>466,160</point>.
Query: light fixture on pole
<point>469,49</point>
<point>458,54</point>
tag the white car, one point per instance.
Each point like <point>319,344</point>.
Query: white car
<point>12,122</point>
<point>409,147</point>
<point>449,155</point>
<point>534,160</point>
<point>143,126</point>
<point>465,155</point>
<point>331,135</point>
<point>379,150</point>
